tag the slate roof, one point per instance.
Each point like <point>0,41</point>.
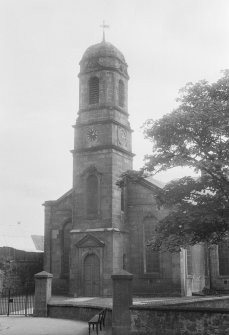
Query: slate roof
<point>155,182</point>
<point>38,241</point>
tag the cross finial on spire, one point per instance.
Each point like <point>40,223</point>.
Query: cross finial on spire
<point>104,26</point>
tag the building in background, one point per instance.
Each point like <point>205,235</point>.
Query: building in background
<point>20,258</point>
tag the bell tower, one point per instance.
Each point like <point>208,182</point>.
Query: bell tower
<point>102,151</point>
<point>102,146</point>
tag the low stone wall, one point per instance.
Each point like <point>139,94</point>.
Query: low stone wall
<point>73,312</point>
<point>174,320</point>
<point>212,302</point>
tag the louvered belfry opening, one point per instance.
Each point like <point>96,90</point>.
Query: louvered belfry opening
<point>94,90</point>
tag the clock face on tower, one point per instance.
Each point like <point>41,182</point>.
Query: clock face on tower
<point>92,134</point>
<point>122,137</point>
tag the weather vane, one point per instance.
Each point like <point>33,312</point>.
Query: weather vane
<point>104,26</point>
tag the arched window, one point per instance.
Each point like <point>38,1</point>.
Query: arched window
<point>93,90</point>
<point>151,258</point>
<point>92,195</point>
<point>223,254</point>
<point>124,261</point>
<point>121,93</point>
<point>66,248</point>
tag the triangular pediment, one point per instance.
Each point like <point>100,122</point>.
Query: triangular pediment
<point>89,241</point>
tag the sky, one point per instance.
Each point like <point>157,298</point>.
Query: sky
<point>166,44</point>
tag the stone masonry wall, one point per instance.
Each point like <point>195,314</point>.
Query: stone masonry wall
<point>179,321</point>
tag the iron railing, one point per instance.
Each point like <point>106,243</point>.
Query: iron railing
<point>17,301</point>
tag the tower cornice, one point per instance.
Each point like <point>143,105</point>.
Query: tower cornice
<point>103,68</point>
<point>103,106</point>
<point>107,121</point>
<point>103,147</point>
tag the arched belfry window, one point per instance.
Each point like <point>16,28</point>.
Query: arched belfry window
<point>92,195</point>
<point>93,90</point>
<point>151,258</point>
<point>66,248</point>
<point>121,93</point>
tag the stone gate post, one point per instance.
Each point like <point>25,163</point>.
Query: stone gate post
<point>122,300</point>
<point>43,289</point>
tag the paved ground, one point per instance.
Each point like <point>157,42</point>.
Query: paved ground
<point>21,325</point>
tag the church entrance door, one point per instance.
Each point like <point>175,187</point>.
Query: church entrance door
<point>91,276</point>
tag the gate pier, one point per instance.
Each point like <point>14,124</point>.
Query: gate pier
<point>43,288</point>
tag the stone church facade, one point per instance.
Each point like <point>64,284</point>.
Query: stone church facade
<point>97,228</point>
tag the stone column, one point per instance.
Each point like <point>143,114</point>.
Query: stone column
<point>43,288</point>
<point>122,300</point>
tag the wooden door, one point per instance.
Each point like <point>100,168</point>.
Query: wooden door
<point>91,276</point>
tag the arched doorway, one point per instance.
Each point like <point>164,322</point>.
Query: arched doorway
<point>91,276</point>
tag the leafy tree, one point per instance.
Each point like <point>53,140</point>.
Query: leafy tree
<point>195,135</point>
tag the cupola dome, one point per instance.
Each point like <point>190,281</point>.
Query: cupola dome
<point>103,49</point>
<point>103,56</point>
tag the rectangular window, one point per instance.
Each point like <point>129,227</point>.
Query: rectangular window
<point>122,200</point>
<point>189,261</point>
<point>223,255</point>
<point>206,260</point>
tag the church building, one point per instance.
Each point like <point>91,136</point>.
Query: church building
<point>98,228</point>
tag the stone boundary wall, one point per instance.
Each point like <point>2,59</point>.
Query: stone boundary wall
<point>179,320</point>
<point>73,312</point>
<point>212,302</point>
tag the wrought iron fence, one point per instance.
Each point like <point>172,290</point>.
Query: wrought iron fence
<point>17,301</point>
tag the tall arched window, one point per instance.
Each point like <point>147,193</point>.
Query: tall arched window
<point>92,195</point>
<point>121,93</point>
<point>93,90</point>
<point>151,258</point>
<point>223,254</point>
<point>124,261</point>
<point>66,248</point>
